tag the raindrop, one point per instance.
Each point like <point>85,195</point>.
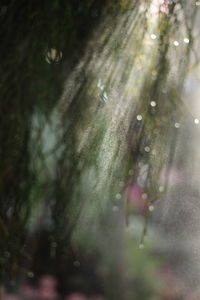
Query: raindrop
<point>144,196</point>
<point>153,36</point>
<point>7,254</point>
<point>196,121</point>
<point>76,263</point>
<point>147,149</point>
<point>177,125</point>
<point>153,103</point>
<point>139,117</point>
<point>186,40</point>
<point>197,3</point>
<point>30,274</point>
<point>54,244</point>
<point>53,56</point>
<point>141,246</point>
<point>115,208</point>
<point>151,208</point>
<point>176,43</point>
<point>118,196</point>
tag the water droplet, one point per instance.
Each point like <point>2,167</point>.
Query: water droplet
<point>176,43</point>
<point>118,196</point>
<point>141,246</point>
<point>115,208</point>
<point>30,274</point>
<point>151,208</point>
<point>139,117</point>
<point>177,125</point>
<point>76,263</point>
<point>153,36</point>
<point>153,103</point>
<point>7,254</point>
<point>186,40</point>
<point>197,3</point>
<point>147,149</point>
<point>53,56</point>
<point>144,196</point>
<point>196,121</point>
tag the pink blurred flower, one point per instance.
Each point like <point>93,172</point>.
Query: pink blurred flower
<point>10,297</point>
<point>47,288</point>
<point>172,284</point>
<point>76,296</point>
<point>48,281</point>
<point>135,196</point>
<point>28,291</point>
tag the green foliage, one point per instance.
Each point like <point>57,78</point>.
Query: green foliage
<point>66,142</point>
